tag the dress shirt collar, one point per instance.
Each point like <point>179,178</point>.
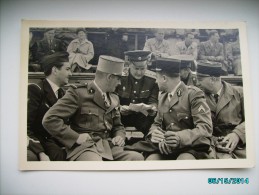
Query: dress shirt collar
<point>54,87</point>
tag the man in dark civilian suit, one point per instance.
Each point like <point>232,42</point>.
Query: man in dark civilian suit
<point>49,44</point>
<point>42,96</point>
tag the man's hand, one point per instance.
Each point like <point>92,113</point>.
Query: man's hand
<point>172,139</point>
<point>231,141</point>
<point>118,141</point>
<point>125,110</point>
<point>164,148</point>
<point>43,157</point>
<point>152,110</point>
<point>157,135</point>
<point>83,138</point>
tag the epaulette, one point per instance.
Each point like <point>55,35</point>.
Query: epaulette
<point>150,74</point>
<point>193,88</point>
<point>76,86</point>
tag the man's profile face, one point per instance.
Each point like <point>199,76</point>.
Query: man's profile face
<point>114,81</point>
<point>215,37</point>
<point>138,69</point>
<point>63,74</point>
<point>161,82</point>
<point>204,83</point>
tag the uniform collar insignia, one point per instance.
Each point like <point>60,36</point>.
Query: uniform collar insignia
<point>179,92</point>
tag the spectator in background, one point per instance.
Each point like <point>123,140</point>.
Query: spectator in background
<point>42,96</point>
<point>33,47</point>
<point>49,44</point>
<point>81,51</point>
<point>158,45</point>
<point>212,50</point>
<point>188,46</point>
<point>233,56</point>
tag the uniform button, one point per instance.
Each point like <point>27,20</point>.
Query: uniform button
<point>136,82</point>
<point>105,131</point>
<point>134,92</point>
<point>133,101</point>
<point>170,110</point>
<point>106,122</point>
<point>186,117</point>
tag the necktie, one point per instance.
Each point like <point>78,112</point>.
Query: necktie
<point>60,93</point>
<point>216,97</point>
<point>50,44</point>
<point>170,96</point>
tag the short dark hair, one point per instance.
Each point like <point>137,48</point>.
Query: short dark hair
<point>48,69</point>
<point>80,29</point>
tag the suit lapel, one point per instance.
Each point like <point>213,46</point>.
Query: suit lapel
<point>50,95</point>
<point>227,95</point>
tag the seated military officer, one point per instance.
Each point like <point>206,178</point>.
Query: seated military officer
<point>95,132</point>
<point>138,93</point>
<point>227,110</point>
<point>182,127</point>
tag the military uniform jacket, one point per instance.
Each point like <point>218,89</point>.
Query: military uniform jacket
<point>207,50</point>
<point>144,90</point>
<point>40,98</point>
<point>187,114</point>
<point>228,115</point>
<point>85,108</point>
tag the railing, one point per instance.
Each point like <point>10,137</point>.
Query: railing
<point>84,77</point>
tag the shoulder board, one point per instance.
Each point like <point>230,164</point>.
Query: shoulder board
<point>150,74</point>
<point>76,86</point>
<point>191,87</point>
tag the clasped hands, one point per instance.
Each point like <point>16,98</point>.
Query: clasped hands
<point>166,140</point>
<point>149,109</point>
<point>117,141</point>
<point>228,143</point>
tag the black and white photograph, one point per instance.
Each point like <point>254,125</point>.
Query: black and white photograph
<point>146,95</point>
<point>129,97</point>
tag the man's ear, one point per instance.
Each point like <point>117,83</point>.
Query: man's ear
<point>54,70</point>
<point>164,78</point>
<point>109,76</point>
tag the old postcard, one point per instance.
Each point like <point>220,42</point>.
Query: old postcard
<point>135,95</point>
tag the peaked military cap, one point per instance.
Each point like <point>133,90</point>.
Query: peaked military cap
<point>186,60</point>
<point>167,65</point>
<point>54,59</point>
<point>137,55</point>
<point>109,64</point>
<point>207,68</point>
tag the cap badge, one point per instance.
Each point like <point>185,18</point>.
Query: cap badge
<point>124,88</point>
<point>139,58</point>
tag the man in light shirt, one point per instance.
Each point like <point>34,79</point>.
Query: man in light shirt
<point>42,96</point>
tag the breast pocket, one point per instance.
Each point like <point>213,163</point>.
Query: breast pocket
<point>185,120</point>
<point>90,118</point>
